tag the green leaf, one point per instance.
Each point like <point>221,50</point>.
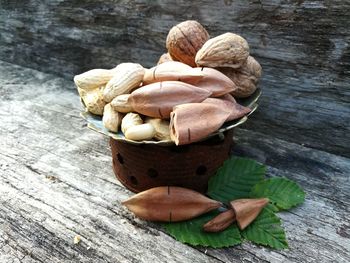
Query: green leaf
<point>266,230</point>
<point>191,232</point>
<point>283,193</point>
<point>235,179</point>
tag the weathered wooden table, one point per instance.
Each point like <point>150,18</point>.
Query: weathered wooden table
<point>56,178</point>
<point>56,182</point>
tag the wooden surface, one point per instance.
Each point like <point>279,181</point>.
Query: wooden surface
<point>56,181</point>
<point>303,47</point>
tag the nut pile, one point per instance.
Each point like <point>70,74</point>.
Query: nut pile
<point>187,96</point>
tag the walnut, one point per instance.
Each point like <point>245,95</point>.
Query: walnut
<point>246,77</point>
<point>226,50</point>
<point>185,39</point>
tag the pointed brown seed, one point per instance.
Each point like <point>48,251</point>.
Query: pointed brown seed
<point>158,99</point>
<point>173,70</point>
<point>215,81</point>
<point>170,204</point>
<point>247,210</point>
<point>220,222</point>
<point>200,118</point>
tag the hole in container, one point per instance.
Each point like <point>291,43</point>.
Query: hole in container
<point>120,158</point>
<point>152,173</point>
<point>201,170</point>
<point>133,180</point>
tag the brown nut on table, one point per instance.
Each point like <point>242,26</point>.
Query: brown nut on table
<point>246,77</point>
<point>185,39</point>
<point>244,211</point>
<point>170,204</point>
<point>226,50</point>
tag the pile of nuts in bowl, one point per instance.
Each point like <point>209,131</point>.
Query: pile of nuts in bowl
<point>186,97</point>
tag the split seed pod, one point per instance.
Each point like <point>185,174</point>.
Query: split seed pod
<point>173,70</point>
<point>185,39</point>
<point>93,79</point>
<point>111,119</point>
<point>162,128</point>
<point>246,77</point>
<point>244,211</point>
<point>158,99</point>
<point>93,100</point>
<point>215,81</point>
<point>192,122</point>
<point>164,58</point>
<point>170,204</point>
<point>226,50</point>
<point>120,103</point>
<point>129,120</point>
<point>127,76</point>
<point>220,222</point>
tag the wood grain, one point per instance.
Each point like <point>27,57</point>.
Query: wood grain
<point>57,182</point>
<point>303,47</point>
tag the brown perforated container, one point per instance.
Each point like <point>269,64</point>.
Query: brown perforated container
<point>143,166</point>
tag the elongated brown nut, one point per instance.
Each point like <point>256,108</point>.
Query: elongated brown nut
<point>140,132</point>
<point>170,204</point>
<point>192,122</point>
<point>93,79</point>
<point>215,81</point>
<point>172,70</point>
<point>111,119</point>
<point>220,222</point>
<point>93,100</point>
<point>236,110</point>
<point>120,103</point>
<point>129,120</point>
<point>127,76</point>
<point>158,99</point>
<point>162,128</point>
<point>246,210</point>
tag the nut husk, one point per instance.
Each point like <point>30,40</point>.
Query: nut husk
<point>93,100</point>
<point>93,78</point>
<point>185,39</point>
<point>162,128</point>
<point>127,76</point>
<point>111,118</point>
<point>226,50</point>
<point>169,204</point>
<point>120,103</point>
